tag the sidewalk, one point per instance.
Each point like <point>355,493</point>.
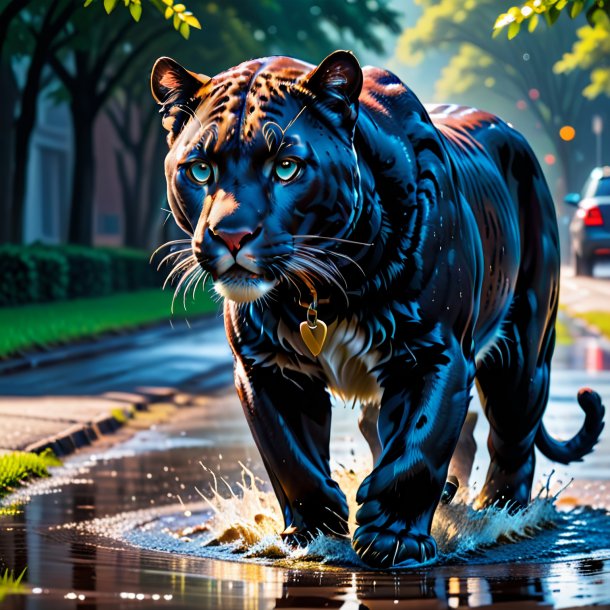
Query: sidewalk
<point>83,393</point>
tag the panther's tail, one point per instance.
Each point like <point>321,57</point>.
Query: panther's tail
<point>578,446</point>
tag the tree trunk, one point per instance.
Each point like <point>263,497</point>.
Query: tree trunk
<point>129,199</point>
<point>51,26</point>
<point>23,133</point>
<point>8,102</point>
<point>157,195</point>
<point>81,229</point>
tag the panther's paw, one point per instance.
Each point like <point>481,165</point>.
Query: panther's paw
<point>385,549</point>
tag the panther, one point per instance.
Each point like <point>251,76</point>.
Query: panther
<point>376,250</point>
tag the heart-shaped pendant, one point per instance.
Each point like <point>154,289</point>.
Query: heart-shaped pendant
<point>314,337</point>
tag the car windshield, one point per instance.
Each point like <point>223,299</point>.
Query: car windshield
<point>603,188</point>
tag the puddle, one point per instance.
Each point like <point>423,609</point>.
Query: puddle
<point>129,529</point>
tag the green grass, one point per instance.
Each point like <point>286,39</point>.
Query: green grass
<point>11,584</point>
<point>46,324</point>
<point>563,334</point>
<point>20,466</point>
<point>598,319</point>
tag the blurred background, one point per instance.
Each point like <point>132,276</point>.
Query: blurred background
<point>97,359</point>
<point>82,187</point>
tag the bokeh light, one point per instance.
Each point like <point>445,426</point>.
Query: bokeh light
<point>549,159</point>
<point>567,133</point>
<point>534,94</point>
<point>522,104</point>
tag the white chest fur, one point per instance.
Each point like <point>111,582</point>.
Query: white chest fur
<point>347,361</point>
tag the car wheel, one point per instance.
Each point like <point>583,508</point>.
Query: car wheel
<point>583,265</point>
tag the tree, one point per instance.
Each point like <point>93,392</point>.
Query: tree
<point>182,19</point>
<point>592,50</point>
<point>234,31</point>
<point>44,28</point>
<point>521,69</point>
<point>90,72</point>
<point>33,32</point>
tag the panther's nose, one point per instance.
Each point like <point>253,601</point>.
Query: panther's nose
<point>233,239</point>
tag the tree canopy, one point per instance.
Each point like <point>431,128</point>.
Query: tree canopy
<point>182,19</point>
<point>520,72</point>
<point>591,52</point>
<point>99,64</point>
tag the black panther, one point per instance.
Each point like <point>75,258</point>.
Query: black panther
<point>380,251</point>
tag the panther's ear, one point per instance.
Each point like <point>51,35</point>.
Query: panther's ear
<point>339,74</point>
<point>175,87</point>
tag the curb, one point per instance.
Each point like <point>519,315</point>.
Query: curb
<point>126,407</point>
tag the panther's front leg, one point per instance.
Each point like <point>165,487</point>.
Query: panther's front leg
<point>420,419</point>
<point>289,415</point>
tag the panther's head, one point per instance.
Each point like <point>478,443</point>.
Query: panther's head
<point>261,165</point>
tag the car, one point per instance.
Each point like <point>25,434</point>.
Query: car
<point>590,226</point>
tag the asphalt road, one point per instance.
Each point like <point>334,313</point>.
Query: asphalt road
<point>158,357</point>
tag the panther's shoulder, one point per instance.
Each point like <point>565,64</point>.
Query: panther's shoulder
<point>385,96</point>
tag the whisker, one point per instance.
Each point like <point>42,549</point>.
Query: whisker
<point>170,243</point>
<point>202,275</point>
<point>188,285</point>
<point>326,271</point>
<point>345,241</point>
<point>180,283</point>
<point>339,254</point>
<point>178,268</point>
<point>172,255</point>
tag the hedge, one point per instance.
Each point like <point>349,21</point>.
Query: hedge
<point>18,277</point>
<point>41,273</point>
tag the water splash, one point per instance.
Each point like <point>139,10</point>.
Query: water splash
<point>241,522</point>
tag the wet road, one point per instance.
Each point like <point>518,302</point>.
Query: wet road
<point>150,358</point>
<point>71,568</point>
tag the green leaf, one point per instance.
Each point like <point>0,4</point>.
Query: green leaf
<point>513,29</point>
<point>179,8</point>
<point>515,13</point>
<point>136,11</point>
<point>177,21</point>
<point>500,21</point>
<point>552,15</point>
<point>109,5</point>
<point>576,8</point>
<point>532,23</point>
<point>192,21</point>
<point>87,3</point>
<point>185,30</point>
<point>169,11</point>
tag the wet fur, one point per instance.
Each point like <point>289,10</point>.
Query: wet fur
<point>448,275</point>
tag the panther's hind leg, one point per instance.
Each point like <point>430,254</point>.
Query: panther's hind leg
<point>513,379</point>
<point>462,461</point>
<point>367,422</point>
<point>513,383</point>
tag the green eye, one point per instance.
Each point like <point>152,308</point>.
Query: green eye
<point>200,172</point>
<point>286,170</point>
